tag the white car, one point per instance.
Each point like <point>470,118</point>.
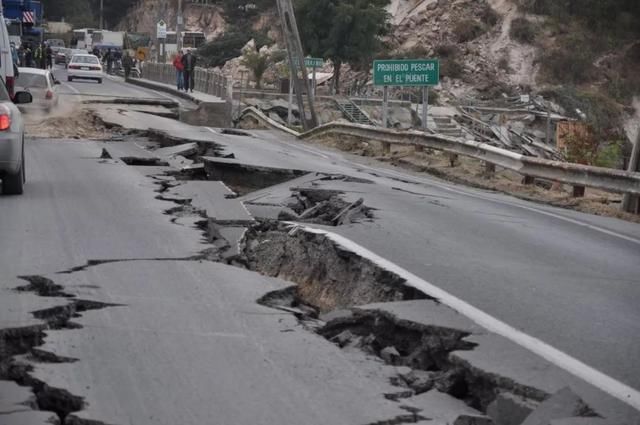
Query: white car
<point>12,161</point>
<point>86,67</point>
<point>41,84</point>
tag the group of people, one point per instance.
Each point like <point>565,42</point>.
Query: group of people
<point>185,64</point>
<point>39,57</point>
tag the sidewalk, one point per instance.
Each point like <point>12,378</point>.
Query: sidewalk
<point>196,97</point>
<point>212,110</point>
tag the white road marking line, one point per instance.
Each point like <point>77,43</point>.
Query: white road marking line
<point>572,365</point>
<point>70,87</point>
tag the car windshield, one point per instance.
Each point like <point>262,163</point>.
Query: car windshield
<point>85,59</point>
<point>28,80</point>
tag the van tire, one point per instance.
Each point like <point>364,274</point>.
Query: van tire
<point>69,78</point>
<point>99,80</point>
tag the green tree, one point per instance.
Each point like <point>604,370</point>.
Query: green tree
<point>343,31</point>
<point>257,63</point>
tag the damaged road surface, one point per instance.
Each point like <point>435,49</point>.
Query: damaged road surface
<point>191,275</point>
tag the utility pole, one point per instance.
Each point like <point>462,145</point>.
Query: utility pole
<point>179,26</point>
<point>101,14</point>
<point>630,202</point>
<point>297,68</point>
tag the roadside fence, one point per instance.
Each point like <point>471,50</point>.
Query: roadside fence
<point>205,80</point>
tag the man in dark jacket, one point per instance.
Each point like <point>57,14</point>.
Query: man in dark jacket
<point>49,57</point>
<point>189,62</point>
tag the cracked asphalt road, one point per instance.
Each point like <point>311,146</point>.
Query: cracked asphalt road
<point>187,341</point>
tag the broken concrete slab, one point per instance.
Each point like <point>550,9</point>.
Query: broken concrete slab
<point>473,420</point>
<point>510,409</point>
<point>185,149</point>
<point>426,312</point>
<point>212,197</point>
<point>441,408</point>
<point>582,421</point>
<point>30,417</point>
<point>563,404</point>
<point>245,177</point>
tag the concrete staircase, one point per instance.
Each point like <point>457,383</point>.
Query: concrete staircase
<point>447,127</point>
<point>352,112</point>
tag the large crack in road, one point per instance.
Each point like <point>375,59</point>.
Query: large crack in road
<point>332,294</point>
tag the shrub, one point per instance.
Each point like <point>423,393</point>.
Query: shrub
<point>446,50</point>
<point>451,67</point>
<point>468,29</point>
<point>488,16</point>
<point>523,31</point>
<point>570,63</point>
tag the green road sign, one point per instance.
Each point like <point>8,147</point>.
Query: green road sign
<point>419,72</point>
<point>312,62</point>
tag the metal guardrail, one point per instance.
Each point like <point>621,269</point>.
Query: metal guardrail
<point>569,173</point>
<point>205,80</point>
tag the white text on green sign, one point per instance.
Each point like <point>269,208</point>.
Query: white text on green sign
<point>313,62</point>
<point>419,72</point>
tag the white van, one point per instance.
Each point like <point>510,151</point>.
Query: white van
<point>7,72</point>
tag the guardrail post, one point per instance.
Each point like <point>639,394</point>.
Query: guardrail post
<point>489,170</point>
<point>578,191</point>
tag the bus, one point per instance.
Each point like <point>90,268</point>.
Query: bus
<point>82,38</point>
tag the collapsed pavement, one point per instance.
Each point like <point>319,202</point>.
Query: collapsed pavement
<point>430,363</point>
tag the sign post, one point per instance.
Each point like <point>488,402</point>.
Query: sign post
<point>313,63</point>
<point>407,73</point>
<point>385,106</point>
<point>161,35</point>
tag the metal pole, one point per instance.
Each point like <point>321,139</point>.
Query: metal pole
<point>385,106</point>
<point>290,110</point>
<point>425,106</point>
<point>630,202</point>
<point>314,82</point>
<point>101,14</point>
<point>179,24</point>
<point>548,127</point>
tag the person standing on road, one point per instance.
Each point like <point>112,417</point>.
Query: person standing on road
<point>108,59</point>
<point>28,56</point>
<point>189,62</point>
<point>96,52</point>
<point>21,60</point>
<point>49,55</point>
<point>177,63</point>
<point>127,64</point>
<point>43,56</point>
<point>37,56</point>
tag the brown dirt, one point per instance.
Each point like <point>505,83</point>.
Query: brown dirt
<point>470,172</point>
<point>71,124</point>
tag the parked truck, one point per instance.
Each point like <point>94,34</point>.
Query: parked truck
<point>24,19</point>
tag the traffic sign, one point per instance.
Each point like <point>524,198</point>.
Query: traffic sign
<point>311,62</point>
<point>161,29</point>
<point>414,73</point>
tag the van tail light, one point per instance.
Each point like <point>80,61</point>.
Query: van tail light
<point>5,118</point>
<point>49,95</point>
<point>11,83</point>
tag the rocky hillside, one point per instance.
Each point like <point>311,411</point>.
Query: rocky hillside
<point>144,15</point>
<point>486,47</point>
